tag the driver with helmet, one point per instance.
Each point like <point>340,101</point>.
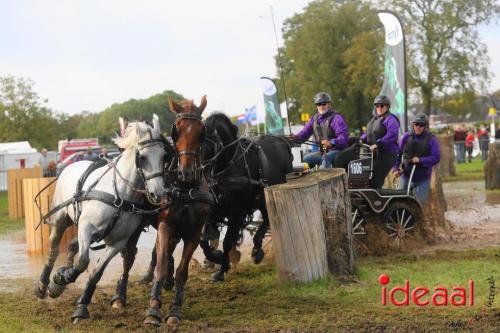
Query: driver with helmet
<point>330,132</point>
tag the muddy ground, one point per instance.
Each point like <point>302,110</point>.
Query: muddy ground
<point>251,300</point>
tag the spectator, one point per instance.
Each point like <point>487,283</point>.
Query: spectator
<point>44,161</point>
<point>484,142</point>
<point>469,144</point>
<point>90,155</point>
<point>459,138</point>
<point>104,152</point>
<point>497,133</point>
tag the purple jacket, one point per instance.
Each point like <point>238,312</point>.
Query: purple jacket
<point>423,170</point>
<point>389,142</point>
<point>337,124</point>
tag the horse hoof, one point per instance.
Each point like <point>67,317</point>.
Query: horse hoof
<point>257,255</point>
<point>55,290</point>
<point>217,277</point>
<point>152,321</point>
<point>173,322</point>
<point>153,317</point>
<point>118,302</point>
<point>40,290</point>
<point>80,313</point>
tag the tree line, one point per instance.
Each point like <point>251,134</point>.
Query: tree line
<point>333,45</point>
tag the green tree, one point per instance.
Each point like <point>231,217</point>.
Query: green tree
<point>445,53</point>
<point>334,46</point>
<point>23,116</point>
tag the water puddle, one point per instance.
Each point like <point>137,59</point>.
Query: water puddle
<point>16,263</point>
<point>469,204</point>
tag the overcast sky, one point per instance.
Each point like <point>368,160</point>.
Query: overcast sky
<point>87,55</point>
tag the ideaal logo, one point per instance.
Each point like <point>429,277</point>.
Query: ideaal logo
<point>423,296</point>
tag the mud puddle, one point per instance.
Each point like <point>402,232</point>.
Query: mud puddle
<point>16,263</point>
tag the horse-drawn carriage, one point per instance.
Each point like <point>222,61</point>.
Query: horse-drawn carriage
<point>398,210</point>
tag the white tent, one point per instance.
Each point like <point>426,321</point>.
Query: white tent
<point>15,155</point>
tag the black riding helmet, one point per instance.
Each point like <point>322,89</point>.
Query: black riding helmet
<point>382,99</point>
<point>422,119</point>
<point>322,97</point>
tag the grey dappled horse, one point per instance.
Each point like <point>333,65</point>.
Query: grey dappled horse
<point>108,207</point>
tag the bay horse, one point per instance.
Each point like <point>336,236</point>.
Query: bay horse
<point>241,168</point>
<point>106,202</point>
<point>188,200</point>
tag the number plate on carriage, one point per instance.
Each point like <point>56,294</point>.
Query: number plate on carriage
<point>360,168</point>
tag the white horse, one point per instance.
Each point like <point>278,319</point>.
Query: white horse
<point>108,207</point>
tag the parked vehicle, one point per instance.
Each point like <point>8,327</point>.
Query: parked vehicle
<point>69,147</point>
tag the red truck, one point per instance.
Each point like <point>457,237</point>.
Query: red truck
<point>69,147</point>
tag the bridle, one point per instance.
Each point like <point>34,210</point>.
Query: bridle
<point>194,153</point>
<point>146,144</point>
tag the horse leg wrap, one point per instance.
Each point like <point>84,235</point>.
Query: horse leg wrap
<point>87,294</point>
<point>45,276</point>
<point>179,297</point>
<point>65,275</point>
<point>121,290</point>
<point>156,291</point>
<point>174,311</point>
<point>169,283</point>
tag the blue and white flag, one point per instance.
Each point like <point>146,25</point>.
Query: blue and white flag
<point>251,115</point>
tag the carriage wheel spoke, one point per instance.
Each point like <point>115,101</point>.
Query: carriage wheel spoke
<point>408,220</point>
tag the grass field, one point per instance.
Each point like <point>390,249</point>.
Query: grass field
<point>6,223</point>
<point>253,300</point>
<point>467,171</point>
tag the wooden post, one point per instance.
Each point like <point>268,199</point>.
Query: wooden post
<point>310,223</point>
<point>38,238</point>
<point>15,189</point>
<point>492,167</point>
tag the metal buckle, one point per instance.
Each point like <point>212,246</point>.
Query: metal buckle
<point>190,194</point>
<point>121,202</point>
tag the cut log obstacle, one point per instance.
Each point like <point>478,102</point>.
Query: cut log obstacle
<point>492,167</point>
<point>38,238</point>
<point>310,220</point>
<point>447,164</point>
<point>15,189</point>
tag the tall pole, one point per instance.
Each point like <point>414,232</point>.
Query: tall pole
<point>281,70</point>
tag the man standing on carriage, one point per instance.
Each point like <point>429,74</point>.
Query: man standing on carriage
<point>330,132</point>
<point>419,148</point>
<point>382,136</point>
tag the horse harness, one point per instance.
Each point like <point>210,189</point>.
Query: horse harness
<point>115,200</point>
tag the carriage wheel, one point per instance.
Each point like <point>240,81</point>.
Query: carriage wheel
<point>400,220</point>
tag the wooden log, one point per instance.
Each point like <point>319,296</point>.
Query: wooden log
<point>492,167</point>
<point>310,224</point>
<point>15,189</point>
<point>37,235</point>
<point>446,166</point>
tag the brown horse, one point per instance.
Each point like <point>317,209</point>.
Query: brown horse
<point>189,202</point>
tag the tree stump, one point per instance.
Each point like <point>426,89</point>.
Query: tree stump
<point>492,167</point>
<point>310,220</point>
<point>447,164</point>
<point>434,209</point>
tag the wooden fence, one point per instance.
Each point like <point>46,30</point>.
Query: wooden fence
<point>38,238</point>
<point>15,189</point>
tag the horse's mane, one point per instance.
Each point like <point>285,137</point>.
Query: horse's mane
<point>135,133</point>
<point>214,118</point>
